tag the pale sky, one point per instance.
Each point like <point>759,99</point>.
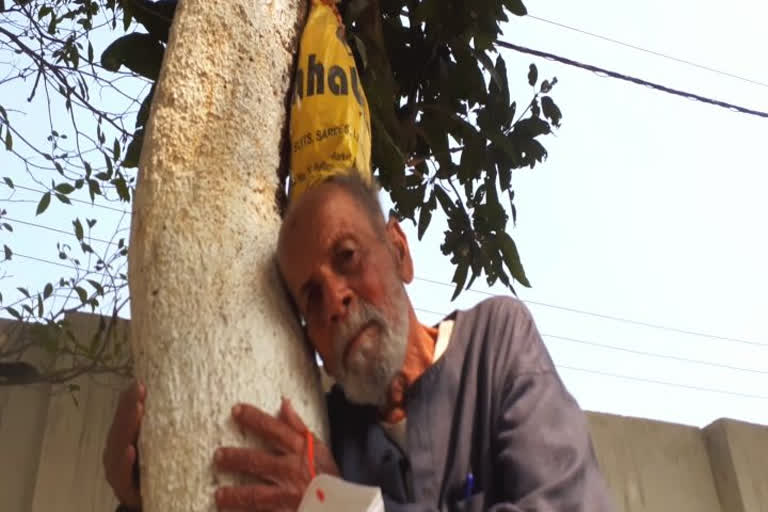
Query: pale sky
<point>649,208</point>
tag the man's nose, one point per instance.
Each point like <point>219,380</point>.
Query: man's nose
<point>339,302</point>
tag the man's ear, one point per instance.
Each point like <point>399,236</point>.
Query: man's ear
<point>401,251</point>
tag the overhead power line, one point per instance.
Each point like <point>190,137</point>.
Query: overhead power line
<point>28,189</point>
<point>627,78</point>
<point>643,379</point>
<point>653,354</point>
<point>645,50</point>
<point>41,260</point>
<point>661,382</point>
<point>55,230</point>
<point>631,351</point>
<point>614,318</point>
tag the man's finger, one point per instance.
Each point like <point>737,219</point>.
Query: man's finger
<point>255,462</point>
<point>289,416</point>
<point>122,480</point>
<point>257,498</point>
<point>267,428</point>
<point>130,411</point>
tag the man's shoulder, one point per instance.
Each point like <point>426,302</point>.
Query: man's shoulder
<point>497,309</point>
<point>502,331</point>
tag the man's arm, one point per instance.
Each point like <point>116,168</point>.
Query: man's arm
<point>543,450</point>
<point>543,455</point>
<point>545,459</point>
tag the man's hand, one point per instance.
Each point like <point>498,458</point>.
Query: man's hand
<point>283,471</point>
<point>120,453</point>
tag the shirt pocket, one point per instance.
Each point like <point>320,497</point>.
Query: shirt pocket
<point>474,503</point>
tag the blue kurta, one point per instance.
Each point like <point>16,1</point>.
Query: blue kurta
<point>492,406</point>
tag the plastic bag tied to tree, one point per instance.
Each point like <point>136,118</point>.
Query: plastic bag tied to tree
<point>330,127</point>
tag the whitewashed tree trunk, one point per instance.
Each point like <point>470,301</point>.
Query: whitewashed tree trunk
<point>210,326</point>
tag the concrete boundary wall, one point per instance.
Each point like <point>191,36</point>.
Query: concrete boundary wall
<point>50,454</point>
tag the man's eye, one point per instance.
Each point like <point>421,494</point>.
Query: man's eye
<point>347,254</point>
<point>346,257</point>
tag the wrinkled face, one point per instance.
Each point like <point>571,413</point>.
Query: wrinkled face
<point>346,278</point>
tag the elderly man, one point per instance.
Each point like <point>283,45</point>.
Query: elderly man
<point>466,415</point>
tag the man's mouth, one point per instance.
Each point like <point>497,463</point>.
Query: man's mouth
<point>354,342</point>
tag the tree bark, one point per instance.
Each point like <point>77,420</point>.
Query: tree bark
<point>210,326</point>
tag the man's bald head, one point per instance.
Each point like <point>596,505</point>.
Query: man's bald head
<point>366,196</point>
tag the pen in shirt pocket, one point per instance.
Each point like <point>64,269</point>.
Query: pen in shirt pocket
<point>469,485</point>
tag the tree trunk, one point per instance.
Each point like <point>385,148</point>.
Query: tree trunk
<point>210,326</point>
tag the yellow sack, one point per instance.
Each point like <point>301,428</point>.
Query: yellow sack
<point>330,126</point>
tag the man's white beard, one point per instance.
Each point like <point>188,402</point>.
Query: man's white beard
<point>379,355</point>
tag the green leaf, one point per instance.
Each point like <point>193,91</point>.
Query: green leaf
<point>90,52</point>
<point>468,77</point>
<point>7,252</point>
<point>82,294</point>
<point>43,12</point>
<point>425,215</point>
<point>7,226</point>
<point>133,152</point>
<point>127,18</point>
<point>8,140</point>
<point>437,136</point>
<point>533,75</point>
<point>39,306</point>
<point>445,200</point>
<point>531,127</point>
<point>43,204</point>
<point>496,78</point>
<point>516,7</point>
<point>550,110</point>
<point>48,290</point>
<point>459,277</point>
<point>93,189</point>
<point>13,312</point>
<point>96,286</point>
<point>472,161</point>
<point>3,113</point>
<point>122,189</point>
<point>500,88</point>
<point>108,162</point>
<point>74,57</point>
<point>143,115</point>
<point>52,25</point>
<point>116,149</point>
<point>64,188</point>
<point>64,199</point>
<point>8,181</point>
<point>512,258</point>
<point>78,229</point>
<point>24,291</point>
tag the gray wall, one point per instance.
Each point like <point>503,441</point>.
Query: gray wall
<point>50,455</point>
